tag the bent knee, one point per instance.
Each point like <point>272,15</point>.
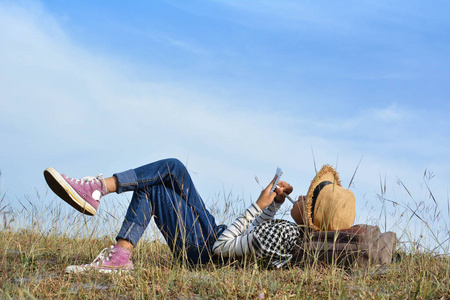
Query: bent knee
<point>173,163</point>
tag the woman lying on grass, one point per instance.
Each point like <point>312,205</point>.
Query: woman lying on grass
<point>164,189</point>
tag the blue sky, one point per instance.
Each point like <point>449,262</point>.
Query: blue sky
<point>233,89</point>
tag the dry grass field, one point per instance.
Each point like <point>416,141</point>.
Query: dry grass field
<point>46,239</point>
<point>32,266</point>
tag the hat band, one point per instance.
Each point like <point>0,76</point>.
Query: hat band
<point>316,193</point>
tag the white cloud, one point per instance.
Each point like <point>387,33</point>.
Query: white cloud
<point>65,106</point>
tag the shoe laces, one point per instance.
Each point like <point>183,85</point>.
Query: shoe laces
<point>104,255</point>
<point>89,179</point>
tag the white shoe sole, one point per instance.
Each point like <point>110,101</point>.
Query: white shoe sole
<point>61,188</point>
<point>80,269</point>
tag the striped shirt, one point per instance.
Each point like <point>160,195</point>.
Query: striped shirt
<point>237,239</point>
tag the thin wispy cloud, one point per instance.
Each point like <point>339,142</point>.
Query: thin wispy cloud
<point>85,111</point>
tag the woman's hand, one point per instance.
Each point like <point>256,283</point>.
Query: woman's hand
<point>283,187</point>
<point>266,198</point>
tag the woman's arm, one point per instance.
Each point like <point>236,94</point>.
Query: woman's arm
<point>267,214</point>
<point>270,211</point>
<point>236,240</point>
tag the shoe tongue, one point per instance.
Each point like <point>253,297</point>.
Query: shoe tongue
<point>89,178</point>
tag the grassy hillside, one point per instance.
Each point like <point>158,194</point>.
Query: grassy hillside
<point>37,242</point>
<point>32,266</point>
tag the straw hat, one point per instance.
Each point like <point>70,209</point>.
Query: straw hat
<point>329,206</point>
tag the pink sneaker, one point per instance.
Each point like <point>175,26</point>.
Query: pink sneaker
<point>110,260</point>
<point>83,194</point>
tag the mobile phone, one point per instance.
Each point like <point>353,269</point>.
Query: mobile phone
<point>280,173</point>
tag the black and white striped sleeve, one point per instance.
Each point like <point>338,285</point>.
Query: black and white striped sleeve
<point>267,214</point>
<point>236,240</point>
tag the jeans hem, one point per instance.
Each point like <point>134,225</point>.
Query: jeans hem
<point>127,181</point>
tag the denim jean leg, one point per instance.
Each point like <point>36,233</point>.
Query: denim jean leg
<point>183,228</point>
<point>137,218</point>
<point>165,189</point>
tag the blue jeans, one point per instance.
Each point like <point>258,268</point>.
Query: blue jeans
<point>164,189</point>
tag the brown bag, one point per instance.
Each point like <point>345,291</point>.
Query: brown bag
<point>360,245</point>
